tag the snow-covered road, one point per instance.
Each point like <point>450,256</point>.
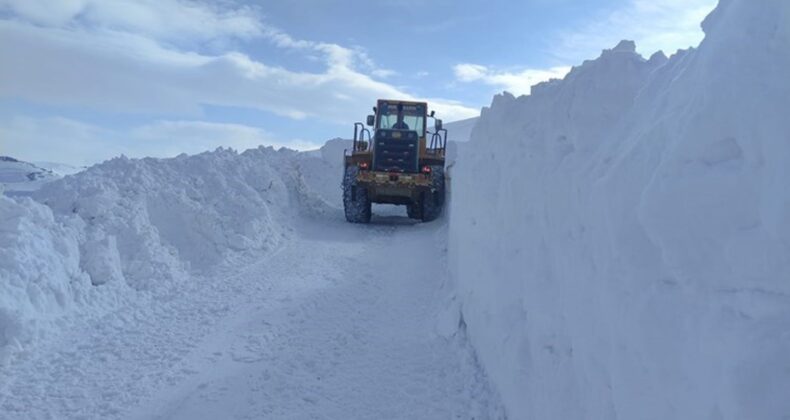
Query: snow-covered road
<point>338,324</point>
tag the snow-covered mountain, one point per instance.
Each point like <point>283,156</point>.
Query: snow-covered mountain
<point>620,238</point>
<point>61,169</point>
<point>16,175</point>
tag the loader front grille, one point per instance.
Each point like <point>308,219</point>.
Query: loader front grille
<point>396,151</point>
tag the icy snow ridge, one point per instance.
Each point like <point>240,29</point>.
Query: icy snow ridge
<point>621,238</point>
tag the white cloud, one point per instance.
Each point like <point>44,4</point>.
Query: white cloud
<point>167,138</point>
<point>65,140</point>
<point>383,73</point>
<point>518,82</point>
<point>135,56</point>
<point>44,12</point>
<point>666,25</point>
<point>470,72</point>
<point>171,21</point>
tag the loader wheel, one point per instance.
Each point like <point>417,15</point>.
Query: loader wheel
<point>356,201</point>
<point>433,201</point>
<point>414,210</point>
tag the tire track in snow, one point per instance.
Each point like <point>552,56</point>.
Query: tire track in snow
<point>337,324</point>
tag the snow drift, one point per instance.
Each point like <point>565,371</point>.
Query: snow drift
<point>621,238</point>
<point>132,227</point>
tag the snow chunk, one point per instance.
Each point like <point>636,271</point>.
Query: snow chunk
<point>625,46</point>
<point>100,259</point>
<point>658,59</point>
<point>40,278</point>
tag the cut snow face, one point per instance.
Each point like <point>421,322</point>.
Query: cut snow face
<point>461,131</point>
<point>621,238</point>
<point>40,277</point>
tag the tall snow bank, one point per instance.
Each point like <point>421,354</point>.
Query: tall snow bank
<point>621,238</point>
<point>168,216</point>
<point>131,226</point>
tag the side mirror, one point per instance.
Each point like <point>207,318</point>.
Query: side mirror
<point>371,120</point>
<point>433,113</point>
<point>438,125</point>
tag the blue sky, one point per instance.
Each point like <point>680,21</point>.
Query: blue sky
<point>85,80</point>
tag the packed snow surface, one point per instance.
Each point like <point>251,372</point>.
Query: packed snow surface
<point>225,285</point>
<point>336,338</point>
<point>621,238</point>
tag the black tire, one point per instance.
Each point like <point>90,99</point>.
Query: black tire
<point>414,210</point>
<point>356,201</point>
<point>433,201</point>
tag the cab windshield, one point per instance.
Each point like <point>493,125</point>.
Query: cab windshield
<point>413,118</point>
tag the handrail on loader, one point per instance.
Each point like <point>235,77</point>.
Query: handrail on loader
<point>438,141</point>
<point>359,137</point>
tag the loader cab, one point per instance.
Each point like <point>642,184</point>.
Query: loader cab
<point>399,131</point>
<point>401,116</point>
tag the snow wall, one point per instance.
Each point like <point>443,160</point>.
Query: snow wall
<point>620,239</point>
<point>141,228</point>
